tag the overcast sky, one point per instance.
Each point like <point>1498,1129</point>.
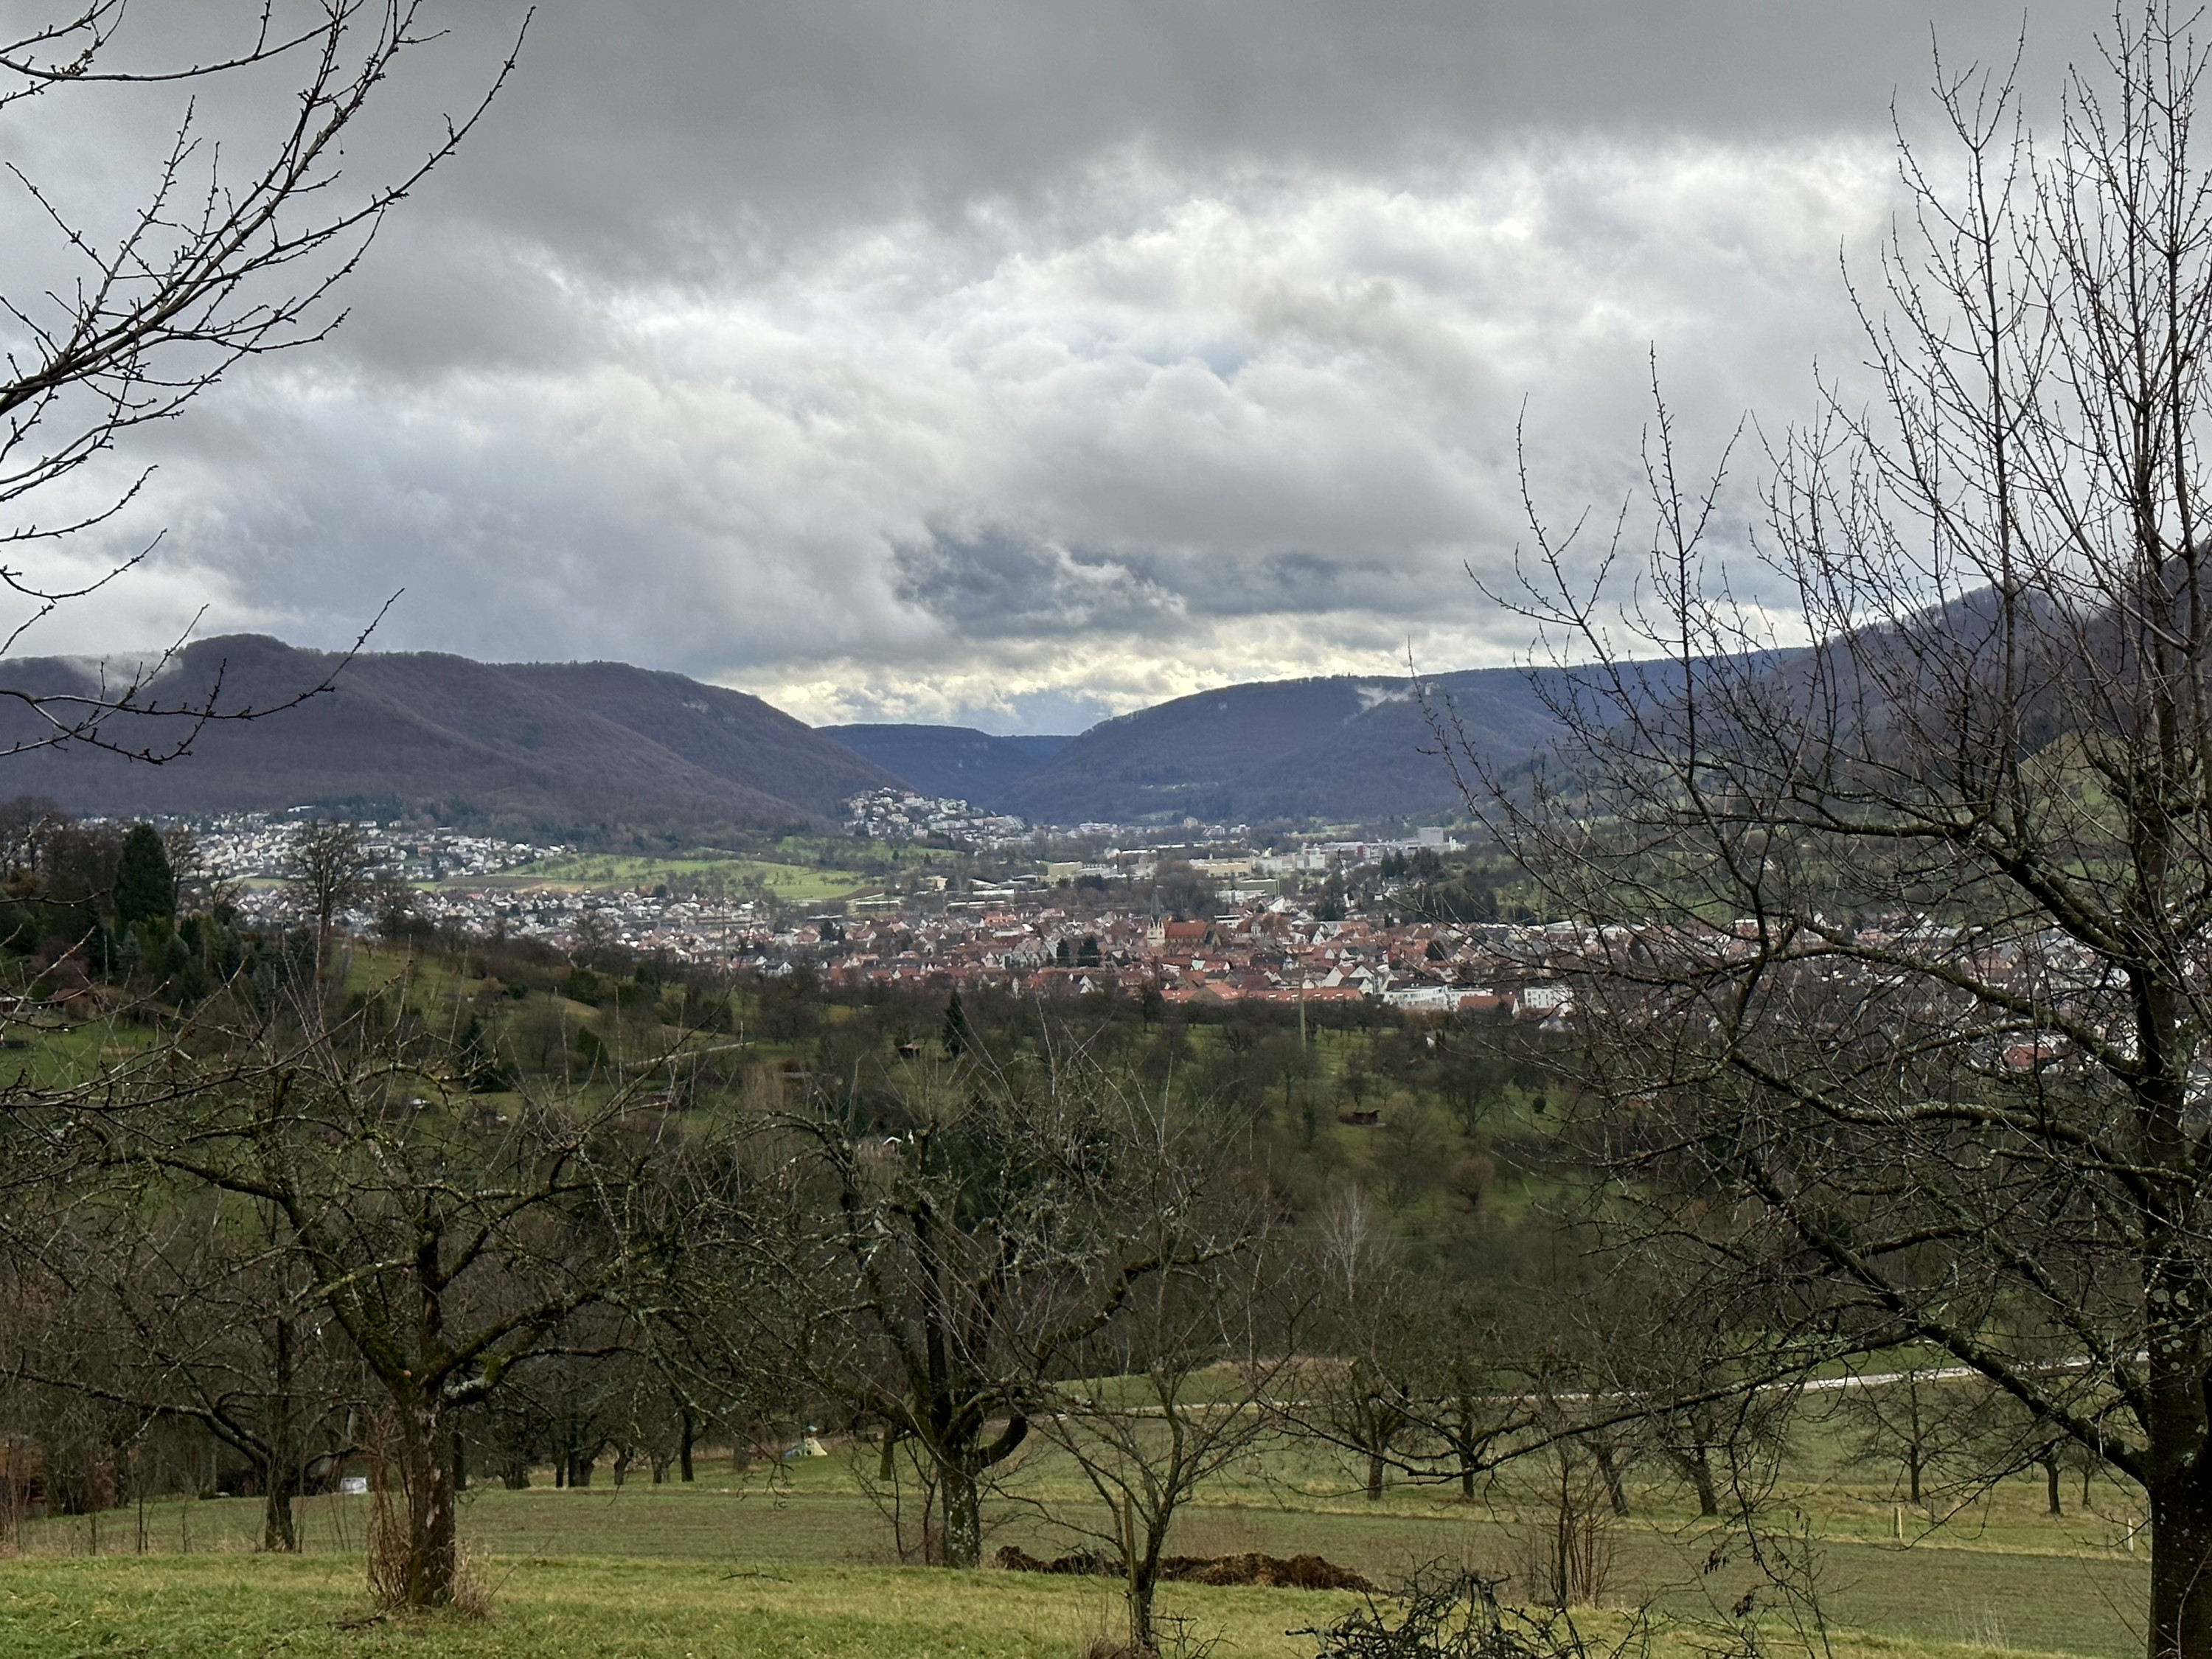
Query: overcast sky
<point>1011,362</point>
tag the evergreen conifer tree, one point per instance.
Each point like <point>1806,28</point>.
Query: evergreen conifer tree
<point>145,887</point>
<point>956,1028</point>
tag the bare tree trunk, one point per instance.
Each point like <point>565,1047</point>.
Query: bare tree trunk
<point>1375,1472</point>
<point>1140,1562</point>
<point>2181,1568</point>
<point>279,1536</point>
<point>281,1464</point>
<point>2051,1483</point>
<point>1615,1493</point>
<point>1698,1464</point>
<point>963,1518</point>
<point>688,1428</point>
<point>426,1455</point>
<point>1462,1434</point>
<point>1141,1639</point>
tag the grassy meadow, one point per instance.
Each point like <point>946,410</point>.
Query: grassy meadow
<point>802,873</point>
<point>796,1559</point>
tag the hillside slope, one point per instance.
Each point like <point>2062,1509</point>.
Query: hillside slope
<point>734,736</point>
<point>463,740</point>
<point>950,760</point>
<point>1348,748</point>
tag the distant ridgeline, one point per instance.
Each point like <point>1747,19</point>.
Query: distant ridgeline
<point>599,750</point>
<point>1349,749</point>
<point>565,748</point>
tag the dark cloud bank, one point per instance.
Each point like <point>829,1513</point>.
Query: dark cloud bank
<point>1018,363</point>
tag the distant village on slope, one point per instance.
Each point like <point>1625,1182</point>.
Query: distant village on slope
<point>1295,919</point>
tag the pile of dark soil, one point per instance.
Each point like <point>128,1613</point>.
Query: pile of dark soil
<point>1271,1572</point>
<point>1296,1572</point>
<point>1083,1562</point>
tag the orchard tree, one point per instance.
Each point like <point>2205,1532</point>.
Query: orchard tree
<point>959,1233</point>
<point>450,1243</point>
<point>165,1304</point>
<point>1171,1390</point>
<point>329,868</point>
<point>1895,969</point>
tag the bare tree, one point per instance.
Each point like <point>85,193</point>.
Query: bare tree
<point>450,1243</point>
<point>170,1306</point>
<point>125,312</point>
<point>1358,1390</point>
<point>1912,1416</point>
<point>232,251</point>
<point>1173,1389</point>
<point>1894,961</point>
<point>330,869</point>
<point>974,1225</point>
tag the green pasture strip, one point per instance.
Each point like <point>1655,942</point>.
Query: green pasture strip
<point>2003,1578</point>
<point>230,1606</point>
<point>261,1605</point>
<point>796,884</point>
<point>74,1055</point>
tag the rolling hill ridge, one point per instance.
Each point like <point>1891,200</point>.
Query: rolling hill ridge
<point>600,749</point>
<point>562,749</point>
<point>1343,749</point>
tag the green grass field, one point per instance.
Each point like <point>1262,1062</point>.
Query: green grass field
<point>807,872</point>
<point>804,1564</point>
<point>795,884</point>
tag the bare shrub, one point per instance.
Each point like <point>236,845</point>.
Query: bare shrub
<point>1446,1613</point>
<point>386,1544</point>
<point>1565,1553</point>
<point>388,1547</point>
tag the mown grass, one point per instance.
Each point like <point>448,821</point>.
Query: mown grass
<point>248,1605</point>
<point>804,1564</point>
<point>260,1605</point>
<point>795,884</point>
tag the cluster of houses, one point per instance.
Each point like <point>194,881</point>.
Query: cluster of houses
<point>1275,953</point>
<point>903,815</point>
<point>255,847</point>
<point>1024,933</point>
<point>1029,937</point>
<point>1058,930</point>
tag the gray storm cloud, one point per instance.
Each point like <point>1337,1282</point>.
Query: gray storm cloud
<point>1022,364</point>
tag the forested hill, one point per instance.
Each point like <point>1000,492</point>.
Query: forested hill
<point>562,748</point>
<point>1351,748</point>
<point>587,749</point>
<point>951,760</point>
